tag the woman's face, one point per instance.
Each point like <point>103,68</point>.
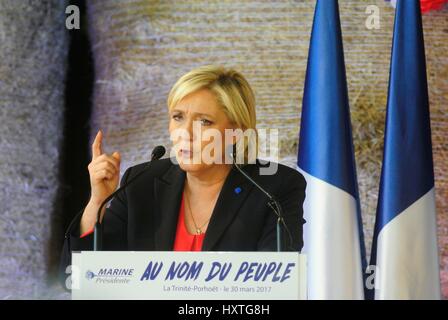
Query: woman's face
<point>197,128</point>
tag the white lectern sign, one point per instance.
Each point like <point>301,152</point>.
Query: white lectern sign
<point>188,275</point>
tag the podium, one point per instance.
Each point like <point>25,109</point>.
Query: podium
<point>153,275</point>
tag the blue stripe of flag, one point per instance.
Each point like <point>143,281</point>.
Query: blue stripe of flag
<point>407,172</point>
<point>325,146</point>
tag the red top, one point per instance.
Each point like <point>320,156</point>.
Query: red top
<point>185,241</point>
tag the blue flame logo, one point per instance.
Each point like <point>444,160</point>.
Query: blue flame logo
<point>90,275</point>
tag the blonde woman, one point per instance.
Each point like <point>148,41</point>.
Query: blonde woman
<point>185,205</point>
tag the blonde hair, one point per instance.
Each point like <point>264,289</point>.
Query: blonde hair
<point>233,93</point>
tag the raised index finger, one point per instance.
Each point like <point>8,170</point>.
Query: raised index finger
<point>96,145</point>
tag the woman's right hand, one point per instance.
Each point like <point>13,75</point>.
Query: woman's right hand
<point>104,171</point>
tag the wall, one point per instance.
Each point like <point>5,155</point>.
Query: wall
<point>32,73</point>
<point>140,49</point>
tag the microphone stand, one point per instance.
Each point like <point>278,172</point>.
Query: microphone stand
<point>273,203</point>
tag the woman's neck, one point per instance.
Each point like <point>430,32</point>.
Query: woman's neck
<point>213,177</point>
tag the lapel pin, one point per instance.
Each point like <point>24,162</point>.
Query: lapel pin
<point>237,190</point>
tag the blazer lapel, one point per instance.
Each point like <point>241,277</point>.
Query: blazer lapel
<point>168,192</point>
<point>235,190</point>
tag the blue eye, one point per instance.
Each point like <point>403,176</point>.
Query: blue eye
<point>206,122</point>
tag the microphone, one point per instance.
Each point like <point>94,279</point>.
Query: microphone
<point>273,203</point>
<point>156,154</point>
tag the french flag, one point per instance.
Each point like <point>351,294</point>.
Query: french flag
<point>404,259</point>
<point>333,239</point>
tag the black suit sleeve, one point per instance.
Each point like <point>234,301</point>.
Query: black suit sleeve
<point>291,198</point>
<point>114,231</point>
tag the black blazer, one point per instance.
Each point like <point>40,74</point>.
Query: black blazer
<point>144,216</point>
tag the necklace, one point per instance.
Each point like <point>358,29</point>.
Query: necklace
<point>198,229</point>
